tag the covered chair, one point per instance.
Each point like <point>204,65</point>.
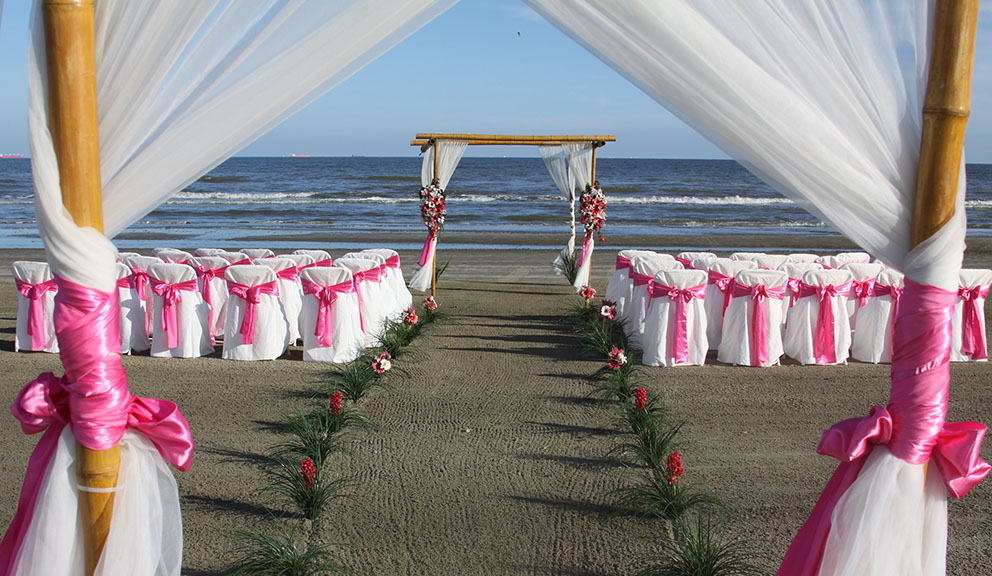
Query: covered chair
<point>139,281</point>
<point>386,296</point>
<point>320,257</point>
<point>968,339</point>
<point>751,333</point>
<point>861,287</point>
<point>795,271</point>
<point>838,260</point>
<point>675,327</point>
<point>133,321</point>
<point>234,258</point>
<point>256,253</point>
<point>172,255</point>
<point>818,329</point>
<point>210,277</point>
<point>200,252</point>
<point>394,276</point>
<point>290,291</point>
<point>803,258</point>
<point>122,255</point>
<point>256,326</point>
<point>720,278</point>
<point>770,261</point>
<point>301,260</point>
<point>331,319</point>
<point>689,259</point>
<point>642,272</point>
<point>179,314</point>
<point>618,289</point>
<point>872,341</point>
<point>374,310</point>
<point>35,331</point>
<point>743,256</point>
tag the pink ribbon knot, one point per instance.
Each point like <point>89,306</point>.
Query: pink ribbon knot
<point>252,295</point>
<point>759,329</point>
<point>972,334</point>
<point>681,297</point>
<point>326,297</point>
<point>291,273</point>
<point>36,314</point>
<point>393,262</point>
<point>171,296</point>
<point>206,275</point>
<point>139,278</point>
<point>793,285</point>
<point>862,290</point>
<point>722,283</point>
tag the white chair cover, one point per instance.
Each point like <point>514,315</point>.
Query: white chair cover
<point>736,339</point>
<point>838,260</point>
<point>122,255</point>
<point>347,338</point>
<point>872,341</point>
<point>976,284</point>
<point>34,273</point>
<point>803,258</point>
<point>256,253</point>
<point>394,277</point>
<point>233,258</point>
<point>717,298</point>
<point>804,318</point>
<point>302,260</point>
<point>745,255</point>
<point>208,252</point>
<point>218,290</point>
<point>864,280</point>
<point>388,298</point>
<point>374,310</point>
<point>192,332</point>
<point>318,256</point>
<point>139,269</point>
<point>661,334</point>
<point>689,259</point>
<point>134,328</point>
<point>770,261</point>
<point>290,291</point>
<point>618,288</point>
<point>795,271</point>
<point>271,331</point>
<point>172,255</point>
<point>642,272</point>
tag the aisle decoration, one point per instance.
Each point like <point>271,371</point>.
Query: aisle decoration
<point>432,211</point>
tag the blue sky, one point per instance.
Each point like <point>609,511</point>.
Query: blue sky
<point>483,66</point>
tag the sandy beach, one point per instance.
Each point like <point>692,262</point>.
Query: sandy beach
<point>488,456</point>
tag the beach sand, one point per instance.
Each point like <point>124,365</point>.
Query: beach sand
<point>488,456</point>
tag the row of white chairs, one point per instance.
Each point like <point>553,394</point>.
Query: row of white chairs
<point>818,310</point>
<point>176,304</point>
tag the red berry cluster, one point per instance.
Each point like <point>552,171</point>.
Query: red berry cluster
<point>674,468</point>
<point>308,472</point>
<point>640,399</point>
<point>432,207</point>
<point>337,400</point>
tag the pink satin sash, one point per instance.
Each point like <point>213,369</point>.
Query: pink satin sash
<point>326,297</point>
<point>686,263</point>
<point>824,337</point>
<point>139,278</point>
<point>622,263</point>
<point>171,296</point>
<point>862,290</point>
<point>292,274</point>
<point>912,426</point>
<point>759,328</point>
<point>722,282</point>
<point>586,248</point>
<point>894,292</point>
<point>425,254</point>
<point>793,286</point>
<point>972,328</point>
<point>245,262</point>
<point>92,397</point>
<point>206,275</point>
<point>393,262</point>
<point>36,313</point>
<point>681,297</point>
<point>252,296</point>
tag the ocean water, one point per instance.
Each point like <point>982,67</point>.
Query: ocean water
<point>276,196</point>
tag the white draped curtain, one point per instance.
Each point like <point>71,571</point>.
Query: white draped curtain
<point>580,159</point>
<point>449,154</point>
<point>557,159</point>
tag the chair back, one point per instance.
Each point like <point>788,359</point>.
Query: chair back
<point>275,263</point>
<point>745,255</point>
<point>122,270</point>
<point>693,257</point>
<point>863,271</point>
<point>141,263</point>
<point>384,252</point>
<point>355,265</point>
<point>799,269</point>
<point>171,273</point>
<point>379,259</point>
<point>317,255</point>
<point>803,258</point>
<point>827,277</point>
<point>972,277</point>
<point>250,274</point>
<point>123,255</point>
<point>854,257</point>
<point>174,256</point>
<point>681,278</point>
<point>207,251</point>
<point>327,275</point>
<point>754,277</point>
<point>31,272</point>
<point>770,261</point>
<point>302,260</point>
<point>890,277</point>
<point>651,264</point>
<point>209,262</point>
<point>256,253</point>
<point>234,257</point>
<point>729,267</point>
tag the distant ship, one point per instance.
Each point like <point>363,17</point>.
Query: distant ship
<point>11,156</point>
<point>301,156</point>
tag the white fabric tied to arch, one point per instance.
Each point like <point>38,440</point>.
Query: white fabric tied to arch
<point>570,164</point>
<point>450,154</point>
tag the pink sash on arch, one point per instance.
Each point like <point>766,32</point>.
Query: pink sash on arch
<point>824,339</point>
<point>681,297</point>
<point>326,297</point>
<point>972,334</point>
<point>171,296</point>
<point>586,247</point>
<point>36,314</point>
<point>252,296</point>
<point>759,329</point>
<point>425,254</point>
<point>723,284</point>
<point>913,425</point>
<point>92,397</point>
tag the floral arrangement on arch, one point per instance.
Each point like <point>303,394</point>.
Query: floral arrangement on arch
<point>592,208</point>
<point>432,208</point>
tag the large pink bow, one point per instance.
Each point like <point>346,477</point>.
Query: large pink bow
<point>326,297</point>
<point>824,337</point>
<point>759,328</point>
<point>793,286</point>
<point>252,296</point>
<point>622,263</point>
<point>681,297</point>
<point>722,283</point>
<point>36,313</point>
<point>206,275</point>
<point>972,332</point>
<point>171,296</point>
<point>862,290</point>
<point>92,397</point>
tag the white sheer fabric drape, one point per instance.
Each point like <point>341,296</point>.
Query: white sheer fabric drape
<point>822,100</point>
<point>181,87</point>
<point>450,154</point>
<point>557,158</point>
<point>580,159</point>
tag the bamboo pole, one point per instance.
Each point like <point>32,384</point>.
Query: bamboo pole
<point>945,115</point>
<point>437,182</point>
<point>69,43</point>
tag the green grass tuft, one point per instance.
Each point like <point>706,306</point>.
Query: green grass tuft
<point>263,555</point>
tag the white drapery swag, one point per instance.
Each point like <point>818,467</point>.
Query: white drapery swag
<point>580,158</point>
<point>182,86</point>
<point>450,154</point>
<point>557,160</point>
<point>823,101</point>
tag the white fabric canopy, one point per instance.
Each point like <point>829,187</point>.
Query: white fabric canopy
<point>450,153</point>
